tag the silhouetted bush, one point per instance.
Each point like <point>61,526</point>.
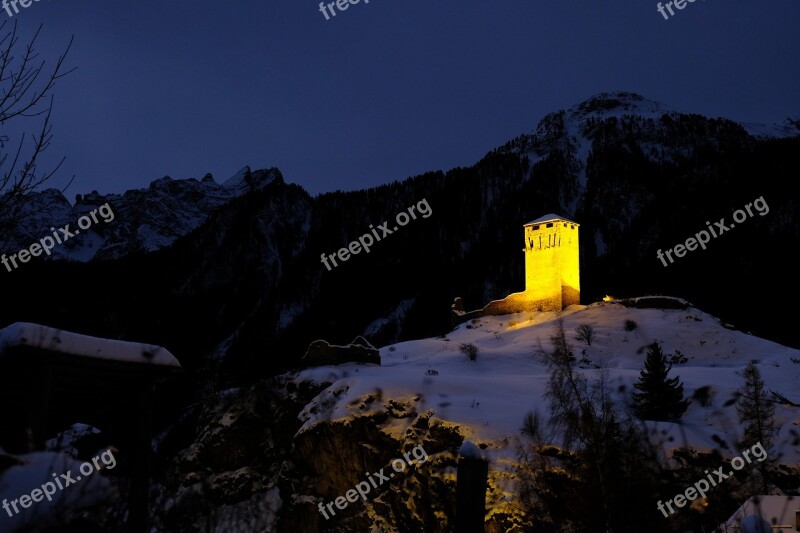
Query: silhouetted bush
<point>585,333</point>
<point>470,350</point>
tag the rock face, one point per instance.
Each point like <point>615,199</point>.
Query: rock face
<point>251,467</point>
<point>340,455</point>
<point>144,220</point>
<point>321,353</point>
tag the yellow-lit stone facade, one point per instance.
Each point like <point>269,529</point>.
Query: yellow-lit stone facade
<point>552,272</point>
<point>552,267</point>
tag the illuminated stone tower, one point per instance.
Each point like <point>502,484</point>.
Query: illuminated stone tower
<point>552,270</point>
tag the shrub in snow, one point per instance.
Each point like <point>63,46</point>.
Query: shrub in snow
<point>630,325</point>
<point>677,358</point>
<point>704,395</point>
<point>470,350</point>
<point>531,425</point>
<point>585,333</point>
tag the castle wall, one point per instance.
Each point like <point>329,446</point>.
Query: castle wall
<point>570,266</point>
<point>552,274</point>
<point>552,270</point>
<point>570,296</point>
<point>523,301</point>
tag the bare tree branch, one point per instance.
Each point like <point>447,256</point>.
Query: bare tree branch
<point>26,86</point>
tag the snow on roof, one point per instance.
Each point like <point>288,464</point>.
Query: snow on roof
<point>548,218</point>
<point>45,338</point>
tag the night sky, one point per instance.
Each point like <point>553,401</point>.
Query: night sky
<point>384,90</point>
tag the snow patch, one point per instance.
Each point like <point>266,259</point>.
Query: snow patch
<point>470,451</point>
<point>36,470</point>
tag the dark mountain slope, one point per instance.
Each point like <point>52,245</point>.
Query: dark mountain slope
<point>248,282</point>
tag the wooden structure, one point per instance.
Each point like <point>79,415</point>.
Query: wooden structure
<point>51,379</point>
<point>471,482</point>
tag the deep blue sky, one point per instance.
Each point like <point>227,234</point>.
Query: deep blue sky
<point>384,90</point>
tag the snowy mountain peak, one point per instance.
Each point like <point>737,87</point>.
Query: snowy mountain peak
<point>605,105</point>
<point>246,180</point>
<point>788,128</point>
<point>238,178</point>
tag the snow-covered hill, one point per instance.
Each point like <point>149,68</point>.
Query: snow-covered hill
<point>486,400</point>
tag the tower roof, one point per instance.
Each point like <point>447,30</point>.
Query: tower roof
<point>549,218</point>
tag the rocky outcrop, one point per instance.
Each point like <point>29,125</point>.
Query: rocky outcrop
<point>336,455</point>
<point>227,475</point>
<point>252,468</point>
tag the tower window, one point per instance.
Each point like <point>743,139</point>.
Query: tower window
<point>565,224</point>
<point>550,225</point>
<point>535,227</point>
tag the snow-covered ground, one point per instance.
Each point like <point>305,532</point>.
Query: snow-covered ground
<point>489,397</point>
<point>36,470</point>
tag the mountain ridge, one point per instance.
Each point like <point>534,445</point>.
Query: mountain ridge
<point>246,283</point>
<point>183,205</point>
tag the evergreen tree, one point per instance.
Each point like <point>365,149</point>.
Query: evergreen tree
<point>604,475</point>
<point>755,410</point>
<point>659,397</point>
<point>756,413</point>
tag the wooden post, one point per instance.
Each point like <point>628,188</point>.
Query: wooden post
<point>139,497</point>
<point>471,479</point>
<point>41,407</point>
